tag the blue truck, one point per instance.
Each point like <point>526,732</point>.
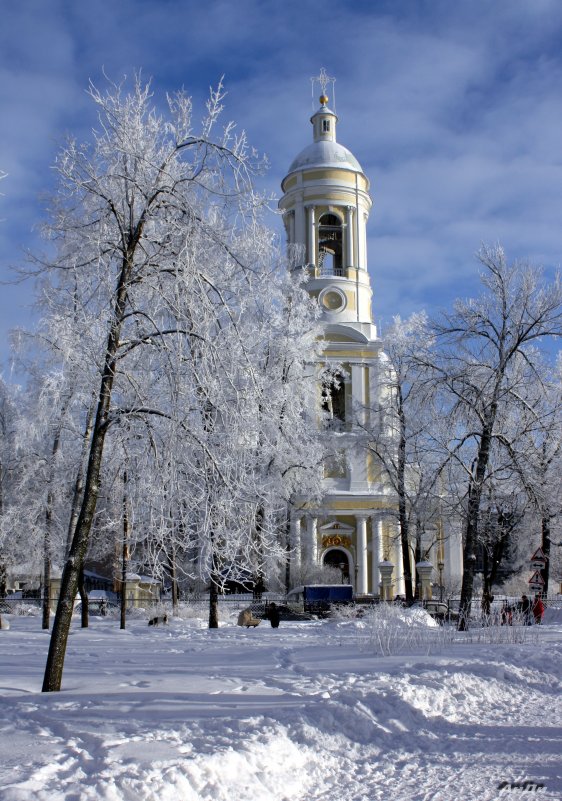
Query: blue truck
<point>319,598</point>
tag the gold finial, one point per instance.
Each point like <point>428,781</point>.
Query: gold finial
<point>324,99</point>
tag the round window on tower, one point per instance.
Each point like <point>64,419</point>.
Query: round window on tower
<point>332,299</point>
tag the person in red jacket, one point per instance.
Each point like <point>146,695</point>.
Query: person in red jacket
<point>538,610</point>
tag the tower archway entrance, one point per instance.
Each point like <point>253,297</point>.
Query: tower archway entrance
<point>337,558</point>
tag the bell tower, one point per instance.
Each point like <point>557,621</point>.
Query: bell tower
<point>325,207</point>
<point>353,527</point>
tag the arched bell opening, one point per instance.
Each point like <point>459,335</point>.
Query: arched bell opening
<point>330,245</point>
<point>334,402</point>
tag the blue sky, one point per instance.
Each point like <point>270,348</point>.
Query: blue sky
<point>454,110</point>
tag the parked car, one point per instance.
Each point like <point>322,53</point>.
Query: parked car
<point>99,603</point>
<point>260,609</point>
<point>440,610</point>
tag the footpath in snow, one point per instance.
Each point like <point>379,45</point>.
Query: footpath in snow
<point>350,710</point>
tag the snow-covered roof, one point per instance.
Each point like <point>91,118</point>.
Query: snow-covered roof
<point>99,594</point>
<point>149,580</point>
<point>325,154</point>
<point>143,579</point>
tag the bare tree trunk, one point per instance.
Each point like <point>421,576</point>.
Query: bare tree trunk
<point>124,555</point>
<point>545,545</point>
<point>85,614</point>
<point>57,648</point>
<point>476,484</point>
<point>405,541</point>
<point>46,602</point>
<point>174,579</point>
<point>79,483</point>
<point>402,505</point>
<point>47,563</point>
<point>418,557</point>
<point>3,568</point>
<point>259,578</point>
<point>469,556</point>
<point>288,551</point>
<point>214,602</point>
<point>498,550</point>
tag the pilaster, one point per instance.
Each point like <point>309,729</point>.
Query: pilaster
<point>362,582</point>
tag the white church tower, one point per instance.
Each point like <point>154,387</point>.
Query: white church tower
<point>325,206</point>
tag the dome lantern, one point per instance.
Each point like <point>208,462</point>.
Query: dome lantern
<point>324,122</point>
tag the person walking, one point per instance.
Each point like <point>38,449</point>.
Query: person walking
<point>538,610</point>
<point>525,609</point>
<point>506,614</point>
<point>273,615</point>
<point>487,600</point>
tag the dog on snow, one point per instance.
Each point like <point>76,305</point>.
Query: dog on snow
<point>246,618</point>
<point>157,619</point>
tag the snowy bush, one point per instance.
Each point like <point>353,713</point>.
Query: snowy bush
<point>26,610</point>
<point>347,612</point>
<point>489,632</point>
<point>138,612</point>
<point>192,610</point>
<point>199,610</point>
<point>390,629</point>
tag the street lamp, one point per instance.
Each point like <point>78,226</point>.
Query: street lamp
<point>440,566</point>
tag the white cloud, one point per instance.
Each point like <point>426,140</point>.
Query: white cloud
<point>453,110</point>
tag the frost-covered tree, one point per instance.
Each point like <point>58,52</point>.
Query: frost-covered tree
<point>286,451</point>
<point>404,439</point>
<point>163,266</point>
<point>10,535</point>
<point>485,360</point>
<point>536,455</point>
<point>139,221</point>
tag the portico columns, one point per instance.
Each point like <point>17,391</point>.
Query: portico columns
<point>362,587</point>
<point>400,584</point>
<point>376,556</point>
<point>358,391</point>
<point>453,555</point>
<point>311,236</point>
<point>349,238</point>
<point>311,540</point>
<point>295,548</point>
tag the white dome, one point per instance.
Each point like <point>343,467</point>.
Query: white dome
<point>325,154</point>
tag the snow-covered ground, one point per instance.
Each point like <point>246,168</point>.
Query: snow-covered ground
<point>350,710</point>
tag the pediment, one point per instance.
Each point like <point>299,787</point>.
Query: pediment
<point>336,525</point>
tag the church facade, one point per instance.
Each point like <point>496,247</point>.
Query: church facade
<point>325,205</point>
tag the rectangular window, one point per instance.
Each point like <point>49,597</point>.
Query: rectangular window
<point>325,126</point>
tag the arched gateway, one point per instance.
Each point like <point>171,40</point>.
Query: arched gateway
<point>338,559</point>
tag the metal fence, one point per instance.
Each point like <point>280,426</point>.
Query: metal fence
<point>22,606</point>
<point>30,606</point>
